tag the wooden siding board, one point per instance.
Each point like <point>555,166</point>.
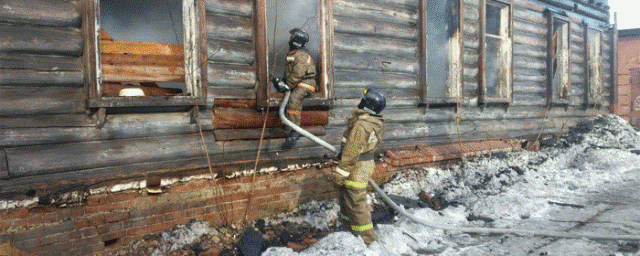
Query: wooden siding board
<point>229,75</point>
<point>40,40</point>
<point>243,8</point>
<point>229,27</point>
<point>19,77</point>
<point>233,52</point>
<point>362,79</point>
<point>229,118</point>
<point>15,101</point>
<point>40,62</point>
<point>41,13</point>
<point>256,134</point>
<point>374,45</point>
<point>231,93</point>
<point>375,62</point>
<point>375,10</point>
<point>116,126</point>
<point>372,27</point>
<point>68,120</point>
<point>47,159</point>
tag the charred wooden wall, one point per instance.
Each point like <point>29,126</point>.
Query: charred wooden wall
<point>376,44</point>
<point>48,135</point>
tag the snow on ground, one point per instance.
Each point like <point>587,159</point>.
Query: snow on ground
<point>585,181</point>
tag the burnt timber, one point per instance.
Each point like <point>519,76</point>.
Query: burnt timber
<point>61,120</point>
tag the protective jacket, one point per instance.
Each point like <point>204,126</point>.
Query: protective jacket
<point>364,133</point>
<point>300,70</point>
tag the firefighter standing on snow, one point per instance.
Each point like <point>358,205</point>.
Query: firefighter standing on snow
<point>365,130</point>
<point>299,76</point>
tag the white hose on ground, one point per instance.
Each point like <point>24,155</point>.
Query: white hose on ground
<point>403,212</point>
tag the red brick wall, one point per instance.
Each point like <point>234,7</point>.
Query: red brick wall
<point>107,222</point>
<point>628,59</point>
<point>129,215</point>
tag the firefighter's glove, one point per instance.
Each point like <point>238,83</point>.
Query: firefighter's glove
<point>338,176</point>
<point>280,85</point>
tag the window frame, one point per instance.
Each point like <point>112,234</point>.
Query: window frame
<point>264,96</point>
<point>592,99</point>
<point>194,53</point>
<point>553,94</point>
<point>507,86</point>
<point>455,47</point>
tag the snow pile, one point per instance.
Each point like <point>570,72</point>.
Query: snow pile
<point>584,181</point>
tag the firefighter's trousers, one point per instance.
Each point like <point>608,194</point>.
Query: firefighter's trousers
<point>354,212</point>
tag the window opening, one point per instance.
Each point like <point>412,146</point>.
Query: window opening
<point>438,35</point>
<point>497,51</point>
<point>595,65</point>
<point>141,44</point>
<point>559,52</point>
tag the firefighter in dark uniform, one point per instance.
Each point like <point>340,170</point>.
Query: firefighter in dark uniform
<point>299,76</point>
<point>365,130</point>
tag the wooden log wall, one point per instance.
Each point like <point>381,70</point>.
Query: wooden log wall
<point>43,113</point>
<point>359,64</point>
<point>41,68</point>
<point>231,49</point>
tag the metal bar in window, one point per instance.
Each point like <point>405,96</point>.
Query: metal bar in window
<point>614,62</point>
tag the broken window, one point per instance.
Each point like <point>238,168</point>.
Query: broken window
<point>443,50</point>
<point>497,52</point>
<point>141,52</point>
<point>558,59</point>
<point>284,15</point>
<point>595,65</point>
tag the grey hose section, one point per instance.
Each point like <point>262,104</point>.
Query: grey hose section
<point>403,212</point>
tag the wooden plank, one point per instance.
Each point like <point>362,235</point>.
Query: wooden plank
<point>40,100</point>
<point>255,134</point>
<point>40,40</point>
<point>228,75</point>
<point>374,45</point>
<point>390,94</point>
<point>229,27</point>
<point>40,62</point>
<point>4,167</point>
<point>150,101</point>
<point>375,10</point>
<point>229,118</point>
<point>363,79</point>
<point>231,52</point>
<point>142,73</point>
<point>242,8</point>
<point>141,48</point>
<point>48,159</point>
<point>41,13</point>
<point>117,59</point>
<point>374,28</point>
<point>15,77</point>
<point>116,126</point>
<point>67,120</point>
<point>231,93</point>
<point>374,62</point>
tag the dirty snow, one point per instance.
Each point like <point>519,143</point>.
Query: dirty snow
<point>585,181</point>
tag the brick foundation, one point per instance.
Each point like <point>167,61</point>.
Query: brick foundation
<point>107,222</point>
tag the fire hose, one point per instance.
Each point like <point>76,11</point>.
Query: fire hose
<point>450,228</point>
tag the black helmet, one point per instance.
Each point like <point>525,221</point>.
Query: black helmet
<point>298,38</point>
<point>372,101</point>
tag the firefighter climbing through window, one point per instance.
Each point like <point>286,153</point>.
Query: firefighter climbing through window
<point>299,76</point>
<point>365,130</point>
